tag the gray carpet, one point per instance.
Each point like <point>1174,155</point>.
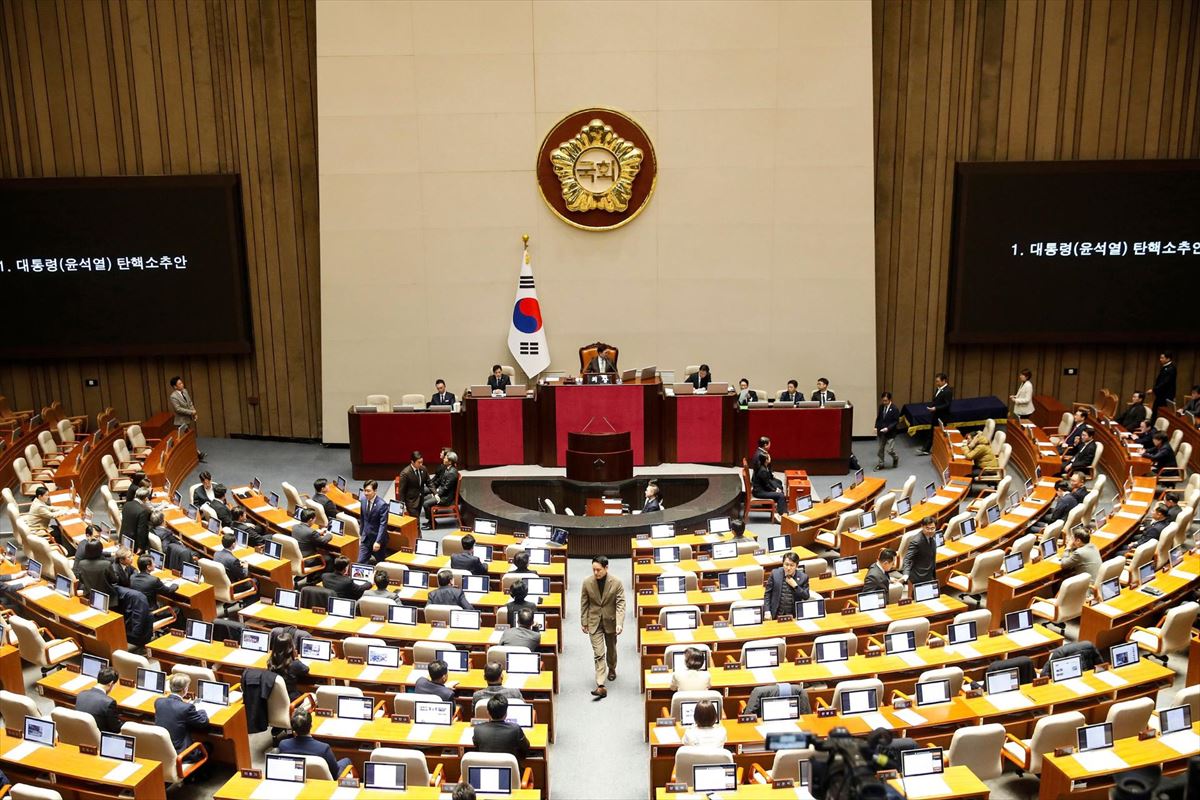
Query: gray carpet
<point>607,734</point>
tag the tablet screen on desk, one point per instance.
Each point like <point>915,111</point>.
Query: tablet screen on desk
<point>381,655</point>
<point>859,701</point>
<point>465,620</point>
<point>1124,654</point>
<point>91,665</point>
<point>287,598</point>
<point>353,707</point>
<point>963,632</point>
<point>496,780</point>
<point>666,555</point>
<point>475,584</point>
<point>113,745</point>
<point>456,660</point>
<point>904,505</point>
<point>40,731</point>
<point>827,652</point>
<point>778,544</point>
<point>523,663</point>
<point>671,584</point>
<point>1175,719</point>
<point>1018,621</point>
<point>190,572</point>
<point>682,620</point>
<point>426,547</point>
<point>724,550</point>
<point>1007,680</point>
<point>362,572</point>
<point>760,657</point>
<point>663,531</point>
<point>416,580</point>
<point>316,649</point>
<point>538,555</point>
<point>1110,589</point>
<point>993,515</point>
<point>810,609</point>
<point>714,777</point>
<point>284,768</point>
<point>903,642</point>
<point>872,601</point>
<point>775,709</point>
<point>1049,548</point>
<point>382,775</point>
<point>213,692</point>
<point>732,580</point>
<point>746,615</point>
<point>487,526</point>
<point>718,525</point>
<point>930,490</point>
<point>845,566</point>
<point>924,592</point>
<point>803,504</point>
<point>867,519</point>
<point>396,508</point>
<point>402,615</point>
<point>63,585</point>
<point>835,491</point>
<point>151,680</point>
<point>99,600</point>
<point>1064,669</point>
<point>1094,737</point>
<point>538,587</point>
<point>273,550</point>
<point>432,712</point>
<point>199,631</point>
<point>933,692</point>
<point>927,761</point>
<point>520,714</point>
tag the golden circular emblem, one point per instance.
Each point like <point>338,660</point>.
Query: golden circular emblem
<point>596,169</point>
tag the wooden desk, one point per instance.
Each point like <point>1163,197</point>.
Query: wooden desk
<point>814,439</point>
<point>277,520</point>
<point>1108,623</point>
<point>1060,774</point>
<point>17,441</point>
<point>1177,420</point>
<point>1047,411</point>
<point>272,573</point>
<point>172,459</point>
<point>646,571</point>
<point>380,442</point>
<point>12,678</point>
<point>1117,460</point>
<point>825,513</point>
<point>99,633</point>
<point>498,431</point>
<point>961,781</point>
<point>84,470</point>
<point>239,788</point>
<point>73,772</point>
<point>1032,449</point>
<point>556,571</point>
<point>694,540</point>
<point>227,737</point>
<point>867,542</point>
<point>950,452</point>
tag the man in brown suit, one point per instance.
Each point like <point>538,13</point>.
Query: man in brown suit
<point>602,612</point>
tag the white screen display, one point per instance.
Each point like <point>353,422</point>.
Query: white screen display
<point>428,712</point>
<point>284,768</point>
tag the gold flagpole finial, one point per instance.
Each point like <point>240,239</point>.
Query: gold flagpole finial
<point>525,239</point>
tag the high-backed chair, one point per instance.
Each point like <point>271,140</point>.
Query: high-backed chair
<point>38,649</point>
<point>906,489</point>
<point>672,649</point>
<point>438,613</point>
<point>416,771</point>
<point>350,525</point>
<point>327,696</point>
<point>750,503</point>
<point>954,526</point>
<point>125,459</point>
<point>952,674</point>
<point>226,592</point>
<point>919,626</point>
<point>1064,426</point>
<point>883,505</point>
<point>848,686</point>
<point>322,519</point>
<point>374,606</point>
<point>15,707</point>
<point>849,637</point>
<point>996,474</point>
<point>498,653</point>
<point>437,513</point>
<point>1188,696</point>
<point>785,766</point>
<point>195,674</point>
<point>1049,733</point>
<point>754,574</point>
<point>413,400</point>
<point>688,758</point>
<point>1171,635</point>
<point>51,452</point>
<point>777,642</point>
<point>127,664</point>
<point>26,478</point>
<point>290,551</point>
<point>814,567</point>
<point>978,748</point>
<point>1129,717</point>
<point>1066,605</point>
<point>37,465</point>
<point>974,583</point>
<point>76,727</point>
<point>154,744</point>
<point>1142,554</point>
<point>980,616</point>
<point>665,610</point>
<point>1109,569</point>
<point>1024,545</point>
<point>590,351</point>
<point>293,497</point>
<point>473,758</point>
<point>999,439</point>
<point>116,481</point>
<point>381,402</point>
<point>847,521</point>
<point>356,646</point>
<point>138,443</point>
<point>25,791</point>
<point>425,652</point>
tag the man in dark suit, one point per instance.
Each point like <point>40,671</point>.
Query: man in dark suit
<point>887,418</point>
<point>786,585</point>
<point>301,743</point>
<point>467,560</point>
<point>1164,382</point>
<point>413,480</point>
<point>1085,451</point>
<point>441,397</point>
<point>436,684</point>
<point>498,735</point>
<point>321,497</point>
<point>254,534</point>
<point>1070,442</point>
<point>308,538</point>
<point>234,568</point>
<point>878,577</point>
<point>652,502</point>
<point>822,394</point>
<point>1151,529</point>
<point>600,364</point>
<point>149,584</point>
<point>1062,504</point>
<point>1160,453</point>
<point>135,520</point>
<point>762,451</point>
<point>700,378</point>
<point>1135,412</point>
<point>442,487</point>
<point>447,594</point>
<point>938,408</point>
<point>339,581</point>
<point>1193,404</point>
<point>522,633</point>
<point>745,393</point>
<point>792,395</point>
<point>219,506</point>
<point>920,559</point>
<point>373,522</point>
<point>765,486</point>
<point>760,693</point>
<point>179,717</point>
<point>95,701</point>
<point>498,380</point>
<point>204,492</point>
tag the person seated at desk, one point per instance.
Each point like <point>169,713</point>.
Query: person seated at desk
<point>1160,453</point>
<point>1067,444</point>
<point>600,364</point>
<point>447,594</point>
<point>441,488</point>
<point>1171,501</point>
<point>321,497</point>
<point>1081,557</point>
<point>96,701</point>
<point>878,578</point>
<point>1192,406</point>
<point>707,732</point>
<point>95,572</point>
<point>765,486</point>
<point>204,492</point>
<point>301,743</point>
<point>1062,504</point>
<point>308,538</point>
<point>254,534</point>
<point>380,589</point>
<point>822,394</point>
<point>792,395</point>
<point>518,591</point>
<point>760,693</point>
<point>41,515</point>
<point>522,634</point>
<point>497,735</point>
<point>234,568</point>
<point>520,564</point>
<point>700,378</point>
<point>460,791</point>
<point>1077,484</point>
<point>440,396</point>
<point>693,677</point>
<point>787,585</point>
<point>220,507</point>
<point>1135,413</point>
<point>652,502</point>
<point>1151,529</point>
<point>339,581</point>
<point>123,561</point>
<point>1143,434</point>
<point>148,584</point>
<point>746,395</point>
<point>467,560</point>
<point>1085,452</point>
<point>435,682</point>
<point>979,450</point>
<point>493,673</point>
<point>179,717</point>
<point>284,662</point>
<point>499,380</point>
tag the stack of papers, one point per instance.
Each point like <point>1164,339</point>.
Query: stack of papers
<point>1100,761</point>
<point>1027,638</point>
<point>1185,742</point>
<point>1009,701</point>
<point>244,658</point>
<point>910,717</point>
<point>974,540</point>
<point>926,786</point>
<point>666,735</point>
<point>341,727</point>
<point>122,771</point>
<point>277,790</point>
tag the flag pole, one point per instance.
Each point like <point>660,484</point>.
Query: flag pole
<point>525,239</point>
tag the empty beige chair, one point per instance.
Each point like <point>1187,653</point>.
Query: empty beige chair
<point>394,571</point>
<point>849,637</point>
<point>999,439</point>
<point>45,654</point>
<point>906,489</point>
<point>689,757</point>
<point>29,482</point>
<point>40,549</point>
<point>882,508</point>
<point>62,565</point>
<point>1188,696</point>
<point>954,675</point>
<point>154,744</point>
<point>978,748</point>
<point>425,652</point>
<point>116,481</point>
<point>76,727</point>
<point>1025,545</point>
<point>405,702</point>
<point>847,521</point>
<point>919,627</point>
<point>350,523</point>
<point>138,443</point>
<point>125,459</point>
<point>1130,717</point>
<point>356,646</point>
<point>24,791</point>
<point>127,664</point>
<point>51,454</point>
<point>327,696</point>
<point>980,616</point>
<point>226,592</point>
<point>814,567</point>
<point>498,653</point>
<point>681,697</point>
<point>849,686</point>
<point>1064,426</point>
<point>438,613</point>
<point>1109,569</point>
<point>989,429</point>
<point>14,708</point>
<point>1170,536</point>
<point>381,402</point>
<point>66,432</point>
<point>954,526</point>
<point>974,583</point>
<point>413,400</point>
<point>776,642</point>
<point>1050,733</point>
<point>508,761</point>
<point>293,497</point>
<point>301,566</point>
<point>322,518</point>
<point>416,771</point>
<point>981,505</point>
<point>195,673</point>
<point>754,575</point>
<point>1089,504</point>
<point>1171,635</point>
<point>280,706</point>
<point>785,766</point>
<point>37,465</point>
<point>1142,554</point>
<point>1066,605</point>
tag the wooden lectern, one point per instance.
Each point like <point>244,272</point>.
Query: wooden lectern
<point>599,457</point>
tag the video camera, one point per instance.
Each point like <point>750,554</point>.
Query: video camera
<point>849,766</point>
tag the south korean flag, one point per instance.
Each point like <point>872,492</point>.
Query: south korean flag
<point>527,334</point>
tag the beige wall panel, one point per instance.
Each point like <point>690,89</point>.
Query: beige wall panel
<point>365,27</point>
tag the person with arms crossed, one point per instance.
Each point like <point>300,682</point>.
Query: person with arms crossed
<point>182,407</point>
<point>373,516</point>
<point>440,396</point>
<point>602,614</point>
<point>786,585</point>
<point>887,419</point>
<point>938,408</point>
<point>1023,400</point>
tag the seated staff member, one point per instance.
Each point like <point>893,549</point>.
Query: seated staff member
<point>522,633</point>
<point>700,378</point>
<point>204,492</point>
<point>920,559</point>
<point>447,594</point>
<point>493,674</point>
<point>436,683</point>
<point>301,743</point>
<point>878,577</point>
<point>41,514</point>
<point>440,396</point>
<point>745,393</point>
<point>339,581</point>
<point>764,485</point>
<point>441,488</point>
<point>1085,452</point>
<point>467,560</point>
<point>1192,406</point>
<point>652,502</point>
<point>234,568</point>
<point>497,735</point>
<point>321,497</point>
<point>1135,413</point>
<point>1160,453</point>
<point>787,585</point>
<point>822,393</point>
<point>792,395</point>
<point>693,677</point>
<point>96,701</point>
<point>1151,529</point>
<point>498,380</point>
<point>887,421</point>
<point>373,521</point>
<point>179,717</point>
<point>762,451</point>
<point>1023,400</point>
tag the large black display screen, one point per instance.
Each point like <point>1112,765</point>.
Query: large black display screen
<point>1085,251</point>
<point>122,266</point>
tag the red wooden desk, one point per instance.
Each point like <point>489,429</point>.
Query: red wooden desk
<point>381,443</point>
<point>814,439</point>
<point>498,431</point>
<point>634,406</point>
<point>698,428</point>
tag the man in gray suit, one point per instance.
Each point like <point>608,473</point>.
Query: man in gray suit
<point>760,693</point>
<point>1081,557</point>
<point>523,635</point>
<point>182,406</point>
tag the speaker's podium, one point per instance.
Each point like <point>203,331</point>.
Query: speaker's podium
<point>599,457</point>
